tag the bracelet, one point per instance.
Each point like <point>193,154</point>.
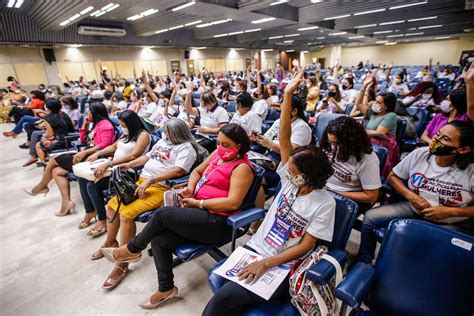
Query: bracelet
<point>201,204</point>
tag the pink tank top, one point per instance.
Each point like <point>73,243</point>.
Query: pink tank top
<point>215,182</point>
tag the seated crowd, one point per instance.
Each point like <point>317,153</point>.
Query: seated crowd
<point>216,128</point>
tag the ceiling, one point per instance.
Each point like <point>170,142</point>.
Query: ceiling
<point>229,22</point>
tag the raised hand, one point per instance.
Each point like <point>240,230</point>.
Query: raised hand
<point>468,75</point>
<point>295,82</point>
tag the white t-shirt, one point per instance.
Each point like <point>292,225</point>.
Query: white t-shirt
<point>348,95</point>
<point>250,121</point>
<point>313,213</point>
<point>353,175</point>
<point>300,132</point>
<point>212,119</point>
<point>122,105</point>
<point>447,186</point>
<point>163,157</point>
<point>261,108</point>
<point>398,88</point>
<point>147,109</point>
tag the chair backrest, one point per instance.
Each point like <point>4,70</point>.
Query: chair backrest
<point>272,115</point>
<point>251,196</point>
<point>322,122</point>
<point>382,154</point>
<point>423,269</point>
<point>346,213</point>
<point>401,129</point>
<point>422,116</point>
<point>230,107</point>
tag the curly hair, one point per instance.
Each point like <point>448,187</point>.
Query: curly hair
<point>304,158</point>
<point>352,139</point>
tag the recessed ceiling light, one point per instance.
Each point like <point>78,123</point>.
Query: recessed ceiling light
<point>292,35</point>
<point>414,34</point>
<point>10,3</point>
<point>252,30</point>
<point>423,19</point>
<point>382,32</point>
<point>365,26</point>
<point>320,38</point>
<point>305,51</point>
<point>278,2</point>
<point>143,14</point>
<point>371,11</point>
<point>188,4</point>
<point>107,7</point>
<point>267,50</point>
<point>90,8</point>
<point>221,35</point>
<point>308,28</point>
<point>263,20</point>
<point>381,42</point>
<point>192,23</point>
<point>64,23</point>
<point>430,26</point>
<point>161,31</point>
<point>337,17</point>
<point>396,35</point>
<point>442,37</point>
<point>288,41</point>
<point>290,50</point>
<point>275,37</point>
<point>393,22</point>
<point>407,5</point>
<point>213,23</point>
<point>176,27</point>
<point>356,37</point>
<point>391,43</point>
<point>316,1</point>
<point>337,33</point>
<point>235,33</point>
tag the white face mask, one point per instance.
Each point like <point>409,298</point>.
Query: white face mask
<point>446,106</point>
<point>124,131</point>
<point>297,180</point>
<point>376,108</point>
<point>426,96</point>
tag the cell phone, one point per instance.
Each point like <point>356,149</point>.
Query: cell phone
<point>305,75</point>
<point>256,133</point>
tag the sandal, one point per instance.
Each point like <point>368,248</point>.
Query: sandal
<point>96,233</point>
<point>98,254</point>
<point>83,224</point>
<point>110,283</point>
<point>147,304</point>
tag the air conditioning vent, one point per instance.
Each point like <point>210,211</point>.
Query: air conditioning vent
<point>100,31</point>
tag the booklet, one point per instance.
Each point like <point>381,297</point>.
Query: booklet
<point>263,287</point>
<point>172,198</point>
<point>252,155</point>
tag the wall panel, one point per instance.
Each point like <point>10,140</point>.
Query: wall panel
<point>125,68</point>
<point>71,70</point>
<point>31,74</point>
<point>5,71</point>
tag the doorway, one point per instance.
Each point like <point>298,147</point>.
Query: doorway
<point>190,67</point>
<point>175,65</point>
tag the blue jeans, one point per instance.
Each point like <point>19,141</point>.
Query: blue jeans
<point>22,122</point>
<point>35,138</point>
<point>93,197</point>
<point>380,217</point>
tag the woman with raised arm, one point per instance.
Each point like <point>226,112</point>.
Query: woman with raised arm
<point>302,213</point>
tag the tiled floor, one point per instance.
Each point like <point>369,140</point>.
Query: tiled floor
<point>44,259</point>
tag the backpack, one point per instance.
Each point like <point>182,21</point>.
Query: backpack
<point>313,299</point>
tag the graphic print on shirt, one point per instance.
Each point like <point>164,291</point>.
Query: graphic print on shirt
<point>448,193</point>
<point>161,153</point>
<point>340,171</point>
<point>287,224</point>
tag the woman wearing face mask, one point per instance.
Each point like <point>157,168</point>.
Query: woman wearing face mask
<point>333,101</point>
<point>98,136</point>
<point>356,167</point>
<point>211,117</point>
<point>70,107</point>
<point>424,95</point>
<point>118,102</point>
<point>245,116</point>
<point>179,111</point>
<point>172,157</point>
<point>313,94</point>
<point>302,214</point>
<point>133,143</point>
<point>398,87</point>
<point>216,190</point>
<point>440,186</point>
<point>348,93</point>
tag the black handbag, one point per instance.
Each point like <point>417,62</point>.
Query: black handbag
<point>122,184</point>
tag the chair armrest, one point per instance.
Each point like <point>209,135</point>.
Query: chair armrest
<point>323,271</point>
<point>177,181</point>
<point>246,217</point>
<point>354,288</point>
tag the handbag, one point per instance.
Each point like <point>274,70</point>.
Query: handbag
<point>124,186</point>
<point>86,169</point>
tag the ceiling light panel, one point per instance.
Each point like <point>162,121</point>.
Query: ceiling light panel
<point>180,7</point>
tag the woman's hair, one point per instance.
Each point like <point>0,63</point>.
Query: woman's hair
<point>133,123</point>
<point>119,96</point>
<point>225,85</point>
<point>423,86</point>
<point>313,81</point>
<point>137,93</point>
<point>38,94</point>
<point>351,82</point>
<point>71,102</point>
<point>390,100</point>
<point>352,139</point>
<point>53,105</point>
<point>298,105</point>
<point>304,158</point>
<point>458,99</point>
<point>338,92</point>
<point>10,78</point>
<point>238,136</point>
<point>273,88</point>
<point>178,133</point>
<point>208,98</point>
<point>466,138</point>
<point>98,112</point>
<point>245,100</point>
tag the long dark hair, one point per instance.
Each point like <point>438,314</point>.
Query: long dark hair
<point>298,105</point>
<point>133,123</point>
<point>352,139</point>
<point>458,99</point>
<point>71,102</point>
<point>238,136</point>
<point>304,158</point>
<point>466,138</point>
<point>99,113</point>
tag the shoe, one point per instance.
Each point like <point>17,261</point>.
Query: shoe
<point>109,255</point>
<point>96,233</point>
<point>30,192</point>
<point>24,146</point>
<point>70,209</point>
<point>110,283</point>
<point>9,134</point>
<point>98,254</point>
<point>147,304</point>
<point>29,162</point>
<point>83,224</point>
<point>40,164</point>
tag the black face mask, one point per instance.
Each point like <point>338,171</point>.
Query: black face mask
<point>344,87</point>
<point>440,149</point>
<point>331,94</point>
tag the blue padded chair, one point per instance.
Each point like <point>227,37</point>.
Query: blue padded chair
<point>321,273</point>
<point>421,269</point>
<point>349,108</point>
<point>443,84</point>
<point>230,107</point>
<point>272,116</point>
<point>382,154</point>
<point>321,124</point>
<point>401,129</point>
<point>197,102</point>
<point>409,144</point>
